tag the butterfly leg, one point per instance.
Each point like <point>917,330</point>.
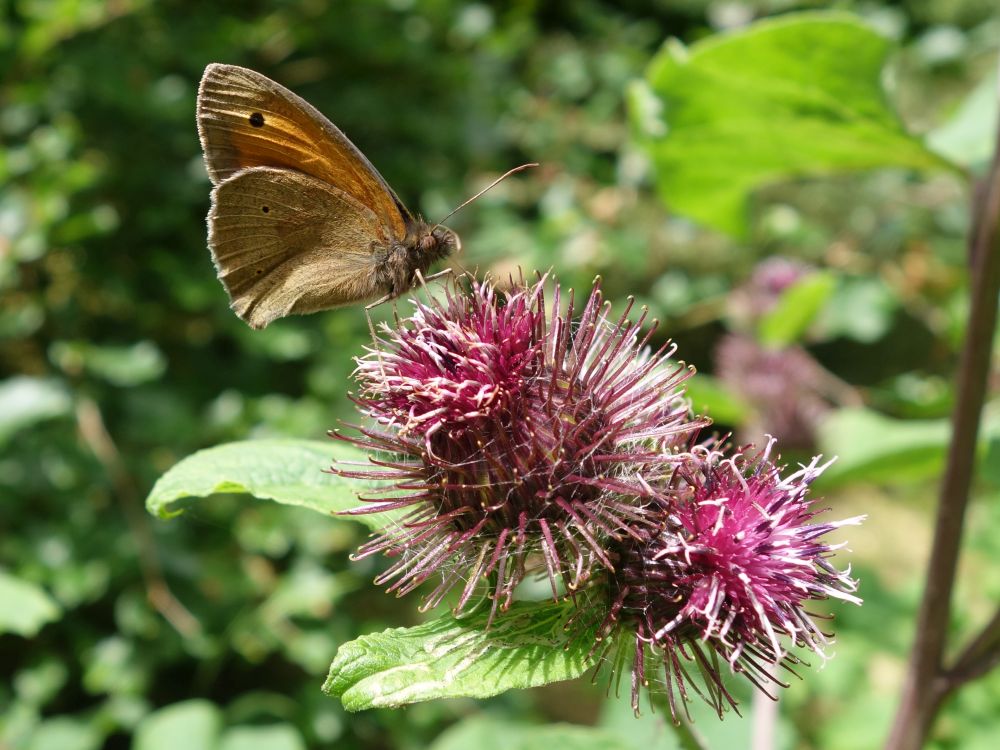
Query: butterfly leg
<point>380,301</point>
<point>375,339</point>
<point>422,280</point>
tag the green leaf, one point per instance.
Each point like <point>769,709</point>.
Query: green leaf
<point>25,607</point>
<point>651,729</point>
<point>711,397</point>
<point>124,366</point>
<point>448,658</point>
<point>25,401</point>
<point>65,733</point>
<point>272,737</point>
<point>968,137</point>
<point>787,97</point>
<point>489,733</point>
<point>192,725</point>
<point>872,447</point>
<point>861,308</point>
<point>291,472</point>
<point>796,309</point>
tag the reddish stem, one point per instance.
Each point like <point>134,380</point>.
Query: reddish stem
<point>980,656</point>
<point>926,680</point>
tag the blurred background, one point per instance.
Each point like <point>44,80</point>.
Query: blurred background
<point>119,355</point>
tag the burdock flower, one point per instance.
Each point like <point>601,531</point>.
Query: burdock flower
<point>514,439</point>
<point>725,579</point>
<point>788,391</point>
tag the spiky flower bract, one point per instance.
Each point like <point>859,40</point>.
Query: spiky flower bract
<point>724,579</point>
<point>515,438</point>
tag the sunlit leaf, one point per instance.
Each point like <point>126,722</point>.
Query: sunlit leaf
<point>796,309</point>
<point>448,658</point>
<point>119,365</point>
<point>969,137</point>
<point>24,607</point>
<point>872,447</point>
<point>783,98</point>
<point>291,472</point>
<point>860,308</point>
<point>26,400</point>
<point>710,396</point>
<point>269,737</point>
<point>192,725</point>
<point>65,733</point>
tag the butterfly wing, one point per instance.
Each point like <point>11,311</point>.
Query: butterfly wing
<point>247,120</point>
<point>284,242</point>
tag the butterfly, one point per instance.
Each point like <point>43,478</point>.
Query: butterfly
<point>300,220</point>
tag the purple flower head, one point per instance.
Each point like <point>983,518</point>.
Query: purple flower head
<point>452,365</point>
<point>774,275</point>
<point>788,391</point>
<point>759,294</point>
<point>519,441</point>
<point>770,278</point>
<point>727,575</point>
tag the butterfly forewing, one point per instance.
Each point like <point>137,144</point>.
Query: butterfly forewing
<point>284,242</point>
<point>247,120</point>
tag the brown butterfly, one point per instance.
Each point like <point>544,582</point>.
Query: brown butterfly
<point>300,220</point>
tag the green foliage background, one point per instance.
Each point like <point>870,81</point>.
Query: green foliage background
<point>119,355</point>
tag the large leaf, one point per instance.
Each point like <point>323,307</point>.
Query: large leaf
<point>485,733</point>
<point>968,138</point>
<point>448,658</point>
<point>291,472</point>
<point>872,447</point>
<point>798,95</point>
<point>24,607</point>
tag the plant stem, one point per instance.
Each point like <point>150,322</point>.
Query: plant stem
<point>980,656</point>
<point>764,718</point>
<point>924,688</point>
<point>95,434</point>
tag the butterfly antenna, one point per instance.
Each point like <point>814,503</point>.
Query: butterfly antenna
<point>492,185</point>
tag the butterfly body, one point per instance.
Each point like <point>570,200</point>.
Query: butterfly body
<point>300,220</point>
<point>423,245</point>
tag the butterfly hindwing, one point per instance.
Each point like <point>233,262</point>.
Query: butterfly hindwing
<point>284,242</point>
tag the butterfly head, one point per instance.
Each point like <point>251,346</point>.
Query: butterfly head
<point>438,242</point>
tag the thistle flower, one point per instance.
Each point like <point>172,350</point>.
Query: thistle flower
<point>725,577</point>
<point>788,391</point>
<point>516,441</point>
<point>760,293</point>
